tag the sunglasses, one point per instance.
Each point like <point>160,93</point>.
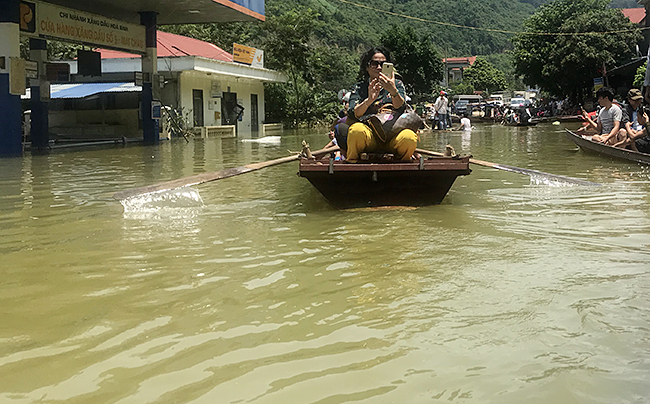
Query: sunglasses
<point>376,63</point>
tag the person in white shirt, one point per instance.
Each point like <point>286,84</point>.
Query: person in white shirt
<point>465,124</point>
<point>608,125</point>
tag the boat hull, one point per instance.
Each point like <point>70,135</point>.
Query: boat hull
<point>605,150</point>
<point>521,123</point>
<point>361,185</point>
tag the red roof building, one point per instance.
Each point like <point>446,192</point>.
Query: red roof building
<point>170,45</point>
<point>636,15</point>
<point>197,78</point>
<point>455,67</point>
<point>467,61</point>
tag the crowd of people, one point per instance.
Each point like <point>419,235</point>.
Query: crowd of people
<point>616,124</point>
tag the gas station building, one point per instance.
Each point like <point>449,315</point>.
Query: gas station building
<point>121,25</point>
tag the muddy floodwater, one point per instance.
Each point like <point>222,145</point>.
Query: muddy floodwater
<point>253,289</point>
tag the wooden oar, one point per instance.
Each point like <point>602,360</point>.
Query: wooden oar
<point>207,177</point>
<point>571,180</point>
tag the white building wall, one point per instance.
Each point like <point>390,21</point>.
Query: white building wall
<point>186,73</point>
<point>192,80</point>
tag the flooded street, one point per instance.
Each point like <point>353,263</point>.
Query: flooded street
<point>253,289</point>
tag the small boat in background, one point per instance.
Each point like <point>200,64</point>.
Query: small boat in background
<point>525,123</point>
<point>570,118</point>
<point>275,140</point>
<point>391,183</point>
<point>586,144</point>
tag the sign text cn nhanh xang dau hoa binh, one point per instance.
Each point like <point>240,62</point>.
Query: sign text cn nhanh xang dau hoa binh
<point>46,20</point>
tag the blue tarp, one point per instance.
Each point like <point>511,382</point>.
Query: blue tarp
<point>83,90</point>
<point>253,5</point>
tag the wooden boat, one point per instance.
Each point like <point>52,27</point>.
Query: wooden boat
<point>529,123</point>
<point>396,183</point>
<point>570,118</point>
<point>587,145</point>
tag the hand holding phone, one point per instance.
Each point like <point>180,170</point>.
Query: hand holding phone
<point>388,69</point>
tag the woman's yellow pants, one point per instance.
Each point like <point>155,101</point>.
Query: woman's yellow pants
<point>361,139</point>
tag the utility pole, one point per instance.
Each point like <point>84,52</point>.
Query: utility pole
<point>446,69</point>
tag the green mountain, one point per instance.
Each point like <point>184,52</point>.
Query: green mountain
<point>355,22</point>
<point>456,27</point>
<point>361,25</point>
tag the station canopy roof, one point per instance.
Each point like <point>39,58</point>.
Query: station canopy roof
<point>172,11</point>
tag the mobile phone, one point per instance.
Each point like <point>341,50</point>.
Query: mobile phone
<point>646,110</point>
<point>388,69</point>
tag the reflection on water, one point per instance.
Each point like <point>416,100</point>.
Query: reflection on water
<point>257,291</point>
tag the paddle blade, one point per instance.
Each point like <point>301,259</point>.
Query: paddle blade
<point>513,169</point>
<point>207,177</point>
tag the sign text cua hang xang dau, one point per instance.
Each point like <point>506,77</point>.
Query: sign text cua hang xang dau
<point>51,21</point>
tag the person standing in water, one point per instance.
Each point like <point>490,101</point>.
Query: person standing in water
<point>441,109</point>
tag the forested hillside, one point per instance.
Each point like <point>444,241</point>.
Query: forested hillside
<point>354,27</point>
<point>317,43</point>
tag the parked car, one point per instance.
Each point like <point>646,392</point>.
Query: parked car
<point>495,99</point>
<point>517,102</point>
<point>520,102</point>
<point>461,106</point>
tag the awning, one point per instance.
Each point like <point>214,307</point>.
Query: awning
<point>83,90</point>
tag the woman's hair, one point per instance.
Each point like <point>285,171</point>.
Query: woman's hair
<point>367,57</point>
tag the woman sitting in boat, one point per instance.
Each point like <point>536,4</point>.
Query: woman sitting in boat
<point>375,92</point>
<point>608,124</point>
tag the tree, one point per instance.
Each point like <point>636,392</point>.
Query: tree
<point>565,64</point>
<point>639,77</point>
<point>458,88</point>
<point>287,45</point>
<point>484,76</point>
<point>316,71</point>
<point>416,60</point>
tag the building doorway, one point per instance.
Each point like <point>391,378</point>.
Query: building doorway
<point>229,109</point>
<point>255,127</point>
<point>197,104</point>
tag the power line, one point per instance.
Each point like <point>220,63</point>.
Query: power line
<point>501,31</point>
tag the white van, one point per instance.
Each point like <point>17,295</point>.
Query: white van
<point>495,99</point>
<point>461,102</point>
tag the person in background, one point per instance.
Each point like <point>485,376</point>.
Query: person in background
<point>465,123</point>
<point>333,142</point>
<point>346,105</point>
<point>608,124</point>
<point>586,129</point>
<point>441,110</point>
<point>368,97</point>
<point>642,141</point>
<point>632,126</point>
